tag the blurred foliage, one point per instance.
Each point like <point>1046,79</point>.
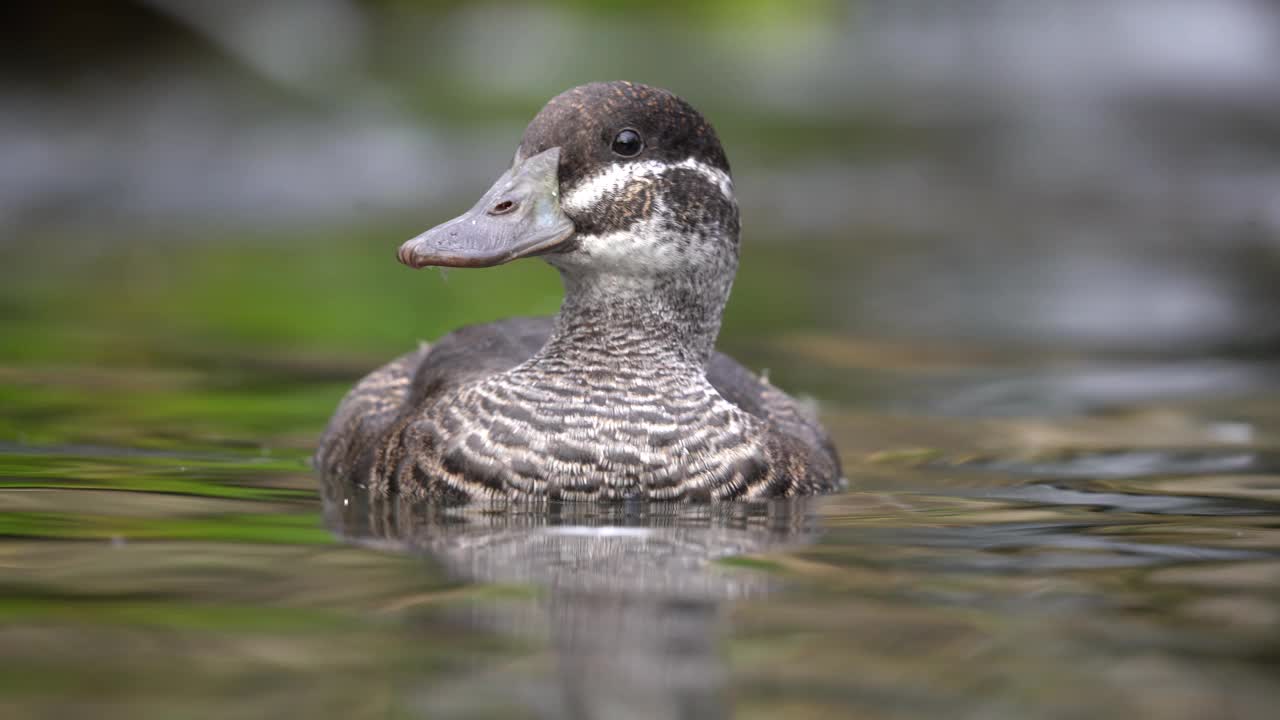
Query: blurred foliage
<point>336,294</point>
<point>716,12</point>
<point>339,291</point>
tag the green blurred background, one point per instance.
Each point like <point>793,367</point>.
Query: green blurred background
<point>217,189</point>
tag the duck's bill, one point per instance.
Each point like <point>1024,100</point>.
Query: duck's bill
<point>519,216</point>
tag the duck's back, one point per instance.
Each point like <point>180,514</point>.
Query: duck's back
<point>382,403</point>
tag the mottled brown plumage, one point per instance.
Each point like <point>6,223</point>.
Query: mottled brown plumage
<point>621,396</point>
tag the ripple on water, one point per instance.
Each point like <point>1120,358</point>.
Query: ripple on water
<point>999,573</point>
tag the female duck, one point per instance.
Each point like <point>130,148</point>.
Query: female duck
<point>625,190</point>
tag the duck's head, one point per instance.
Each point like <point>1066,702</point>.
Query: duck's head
<point>611,180</point>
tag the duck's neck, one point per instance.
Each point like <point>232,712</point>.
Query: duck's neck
<point>616,322</point>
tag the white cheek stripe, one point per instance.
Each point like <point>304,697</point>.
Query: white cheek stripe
<point>599,186</point>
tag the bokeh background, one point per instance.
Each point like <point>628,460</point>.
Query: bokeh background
<point>191,178</point>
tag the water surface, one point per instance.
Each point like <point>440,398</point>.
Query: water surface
<point>1012,544</point>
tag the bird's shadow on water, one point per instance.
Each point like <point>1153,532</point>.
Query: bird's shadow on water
<point>631,598</point>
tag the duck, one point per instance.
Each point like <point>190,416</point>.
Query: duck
<point>625,189</point>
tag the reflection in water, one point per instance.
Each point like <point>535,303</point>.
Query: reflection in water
<point>632,597</point>
<point>1116,571</point>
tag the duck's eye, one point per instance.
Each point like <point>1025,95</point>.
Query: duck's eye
<point>628,143</point>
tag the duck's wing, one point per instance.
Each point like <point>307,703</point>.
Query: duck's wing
<point>365,412</point>
<point>401,386</point>
<point>472,353</point>
<point>794,420</point>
